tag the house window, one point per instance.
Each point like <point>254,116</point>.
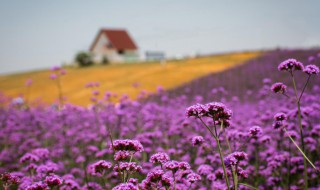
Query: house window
<point>121,52</point>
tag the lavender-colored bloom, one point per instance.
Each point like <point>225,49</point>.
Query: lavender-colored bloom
<point>9,179</point>
<point>99,167</point>
<point>42,153</point>
<point>53,181</point>
<point>280,116</point>
<point>193,177</point>
<point>29,158</point>
<point>255,132</point>
<point>279,87</point>
<point>197,110</point>
<point>184,166</point>
<point>70,184</point>
<point>121,155</point>
<point>166,181</point>
<point>125,186</point>
<point>204,169</point>
<point>53,76</point>
<point>55,68</point>
<point>127,166</point>
<point>172,165</point>
<point>218,111</point>
<point>290,65</point>
<point>38,186</point>
<point>155,176</point>
<point>311,70</point>
<point>197,140</point>
<point>242,173</point>
<point>133,181</point>
<point>159,157</point>
<point>127,145</point>
<point>234,158</point>
<point>91,186</point>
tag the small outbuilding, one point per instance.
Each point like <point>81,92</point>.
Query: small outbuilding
<point>114,45</point>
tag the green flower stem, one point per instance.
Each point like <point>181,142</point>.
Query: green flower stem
<point>60,93</point>
<point>223,165</point>
<point>235,178</point>
<point>247,185</point>
<point>234,174</point>
<point>301,132</point>
<point>304,88</point>
<point>220,152</point>
<point>303,154</point>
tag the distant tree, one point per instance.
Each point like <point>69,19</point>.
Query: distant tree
<point>84,59</point>
<point>105,60</point>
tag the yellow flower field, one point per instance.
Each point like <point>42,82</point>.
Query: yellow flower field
<point>118,79</point>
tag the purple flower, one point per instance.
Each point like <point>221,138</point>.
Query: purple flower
<point>242,173</point>
<point>197,110</point>
<point>159,157</point>
<point>197,140</point>
<point>9,179</point>
<point>166,181</point>
<point>125,186</point>
<point>204,169</point>
<point>184,166</point>
<point>280,116</point>
<point>38,186</point>
<point>193,177</point>
<point>172,165</point>
<point>127,145</point>
<point>155,176</point>
<point>128,166</point>
<point>234,158</point>
<point>29,158</point>
<point>53,181</point>
<point>99,167</point>
<point>311,70</point>
<point>42,153</point>
<point>279,87</point>
<point>255,132</point>
<point>218,111</point>
<point>121,155</point>
<point>290,65</point>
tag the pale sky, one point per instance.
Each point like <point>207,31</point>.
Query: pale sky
<point>37,34</point>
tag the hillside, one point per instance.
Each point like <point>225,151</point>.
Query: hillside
<point>243,80</point>
<point>119,79</point>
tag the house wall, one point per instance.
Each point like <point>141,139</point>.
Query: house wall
<point>100,50</point>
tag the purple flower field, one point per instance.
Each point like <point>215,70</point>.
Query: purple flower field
<point>256,126</point>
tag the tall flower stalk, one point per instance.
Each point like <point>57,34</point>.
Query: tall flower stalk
<point>220,115</point>
<point>292,65</point>
<point>57,72</point>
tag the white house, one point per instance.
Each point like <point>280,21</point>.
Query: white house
<point>114,44</point>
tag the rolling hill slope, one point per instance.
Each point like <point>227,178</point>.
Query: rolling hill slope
<point>119,78</point>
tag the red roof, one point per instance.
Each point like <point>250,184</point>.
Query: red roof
<point>119,39</point>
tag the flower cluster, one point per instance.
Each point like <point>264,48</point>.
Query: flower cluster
<point>53,181</point>
<point>126,186</point>
<point>128,167</point>
<point>255,132</point>
<point>311,70</point>
<point>279,120</point>
<point>99,167</point>
<point>9,179</point>
<point>159,157</point>
<point>215,110</point>
<point>234,158</point>
<point>197,140</point>
<point>279,87</point>
<point>127,145</point>
<point>290,65</point>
